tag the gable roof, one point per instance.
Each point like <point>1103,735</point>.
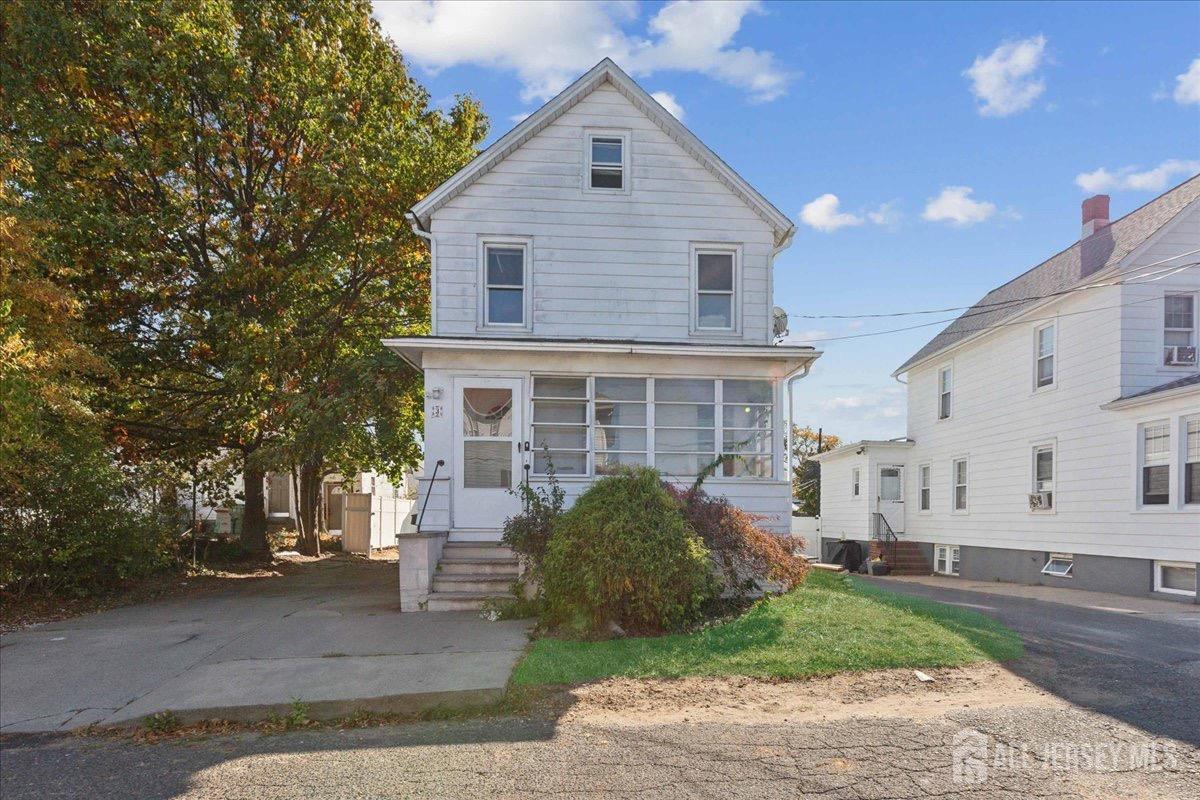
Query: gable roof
<point>605,71</point>
<point>1107,248</point>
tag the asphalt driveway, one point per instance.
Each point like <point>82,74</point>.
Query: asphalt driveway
<point>330,635</point>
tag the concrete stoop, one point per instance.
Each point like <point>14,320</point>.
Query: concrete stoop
<point>470,573</point>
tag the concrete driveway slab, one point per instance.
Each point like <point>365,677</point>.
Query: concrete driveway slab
<point>331,635</point>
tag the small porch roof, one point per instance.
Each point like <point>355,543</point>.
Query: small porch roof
<point>413,348</point>
<point>863,445</point>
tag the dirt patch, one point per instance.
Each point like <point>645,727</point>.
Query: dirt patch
<point>886,693</point>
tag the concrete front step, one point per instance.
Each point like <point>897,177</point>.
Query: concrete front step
<point>479,566</point>
<point>460,601</point>
<point>456,550</point>
<point>484,584</point>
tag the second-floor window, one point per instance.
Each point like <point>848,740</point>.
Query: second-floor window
<point>606,162</point>
<point>505,282</point>
<point>1156,464</point>
<point>1179,330</point>
<point>945,389</point>
<point>715,274</point>
<point>1044,347</point>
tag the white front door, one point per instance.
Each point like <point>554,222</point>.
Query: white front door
<point>891,495</point>
<point>488,460</point>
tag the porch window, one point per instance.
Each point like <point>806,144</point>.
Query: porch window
<point>685,431</point>
<point>1191,466</point>
<point>1156,464</point>
<point>945,389</point>
<point>560,425</point>
<point>959,471</point>
<point>620,435</point>
<point>925,488</point>
<point>746,429</point>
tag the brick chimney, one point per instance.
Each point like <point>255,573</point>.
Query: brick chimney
<point>1095,214</point>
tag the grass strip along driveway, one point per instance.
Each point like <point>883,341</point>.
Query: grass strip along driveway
<point>831,623</point>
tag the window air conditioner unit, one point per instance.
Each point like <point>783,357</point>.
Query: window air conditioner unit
<point>1040,500</point>
<point>1179,356</point>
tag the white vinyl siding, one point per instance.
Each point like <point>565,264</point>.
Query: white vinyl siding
<point>605,263</point>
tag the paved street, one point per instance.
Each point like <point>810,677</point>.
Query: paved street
<point>1103,705</point>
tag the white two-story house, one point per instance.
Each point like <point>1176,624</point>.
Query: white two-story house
<point>602,295</point>
<point>1054,428</point>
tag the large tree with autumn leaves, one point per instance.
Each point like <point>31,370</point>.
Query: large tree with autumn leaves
<point>223,184</point>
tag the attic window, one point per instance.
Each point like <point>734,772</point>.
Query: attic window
<point>607,162</point>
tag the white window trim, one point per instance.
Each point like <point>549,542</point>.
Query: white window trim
<point>938,393</point>
<point>695,249</point>
<point>1063,558</point>
<point>950,550</point>
<point>526,244</point>
<point>954,486</point>
<point>1035,446</point>
<point>606,133</point>
<point>856,482</point>
<point>1162,332</point>
<point>1139,461</point>
<point>1158,587</point>
<point>929,466</point>
<point>1182,450</point>
<point>1053,326</point>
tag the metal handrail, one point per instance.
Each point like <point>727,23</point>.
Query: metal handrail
<point>885,534</point>
<point>429,491</point>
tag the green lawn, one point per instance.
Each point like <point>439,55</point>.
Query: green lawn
<point>830,624</point>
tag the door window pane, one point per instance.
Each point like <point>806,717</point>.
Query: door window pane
<point>889,484</point>
<point>715,311</point>
<point>487,465</point>
<point>487,412</point>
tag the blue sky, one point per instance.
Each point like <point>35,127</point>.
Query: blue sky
<point>958,140</point>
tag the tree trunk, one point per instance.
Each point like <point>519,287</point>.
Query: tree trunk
<point>308,507</point>
<point>254,520</point>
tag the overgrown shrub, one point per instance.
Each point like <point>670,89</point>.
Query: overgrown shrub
<point>528,533</point>
<point>70,523</point>
<point>742,552</point>
<point>625,554</point>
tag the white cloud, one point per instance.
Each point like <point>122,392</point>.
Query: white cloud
<point>887,215</point>
<point>517,119</point>
<point>955,206</point>
<point>823,214</point>
<point>809,336</point>
<point>548,44</point>
<point>668,101</point>
<point>1005,81</point>
<point>1155,179</point>
<point>1187,85</point>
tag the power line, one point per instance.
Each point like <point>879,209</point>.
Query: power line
<point>1001,303</point>
<point>985,327</point>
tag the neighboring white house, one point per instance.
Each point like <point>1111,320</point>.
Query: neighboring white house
<point>602,287</point>
<point>1054,428</point>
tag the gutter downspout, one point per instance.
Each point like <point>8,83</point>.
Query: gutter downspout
<point>415,223</point>
<point>799,374</point>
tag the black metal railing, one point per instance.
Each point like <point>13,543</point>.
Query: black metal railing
<point>421,517</point>
<point>886,537</point>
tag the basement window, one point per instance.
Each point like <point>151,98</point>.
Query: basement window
<point>1060,565</point>
<point>945,561</point>
<point>1175,577</point>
